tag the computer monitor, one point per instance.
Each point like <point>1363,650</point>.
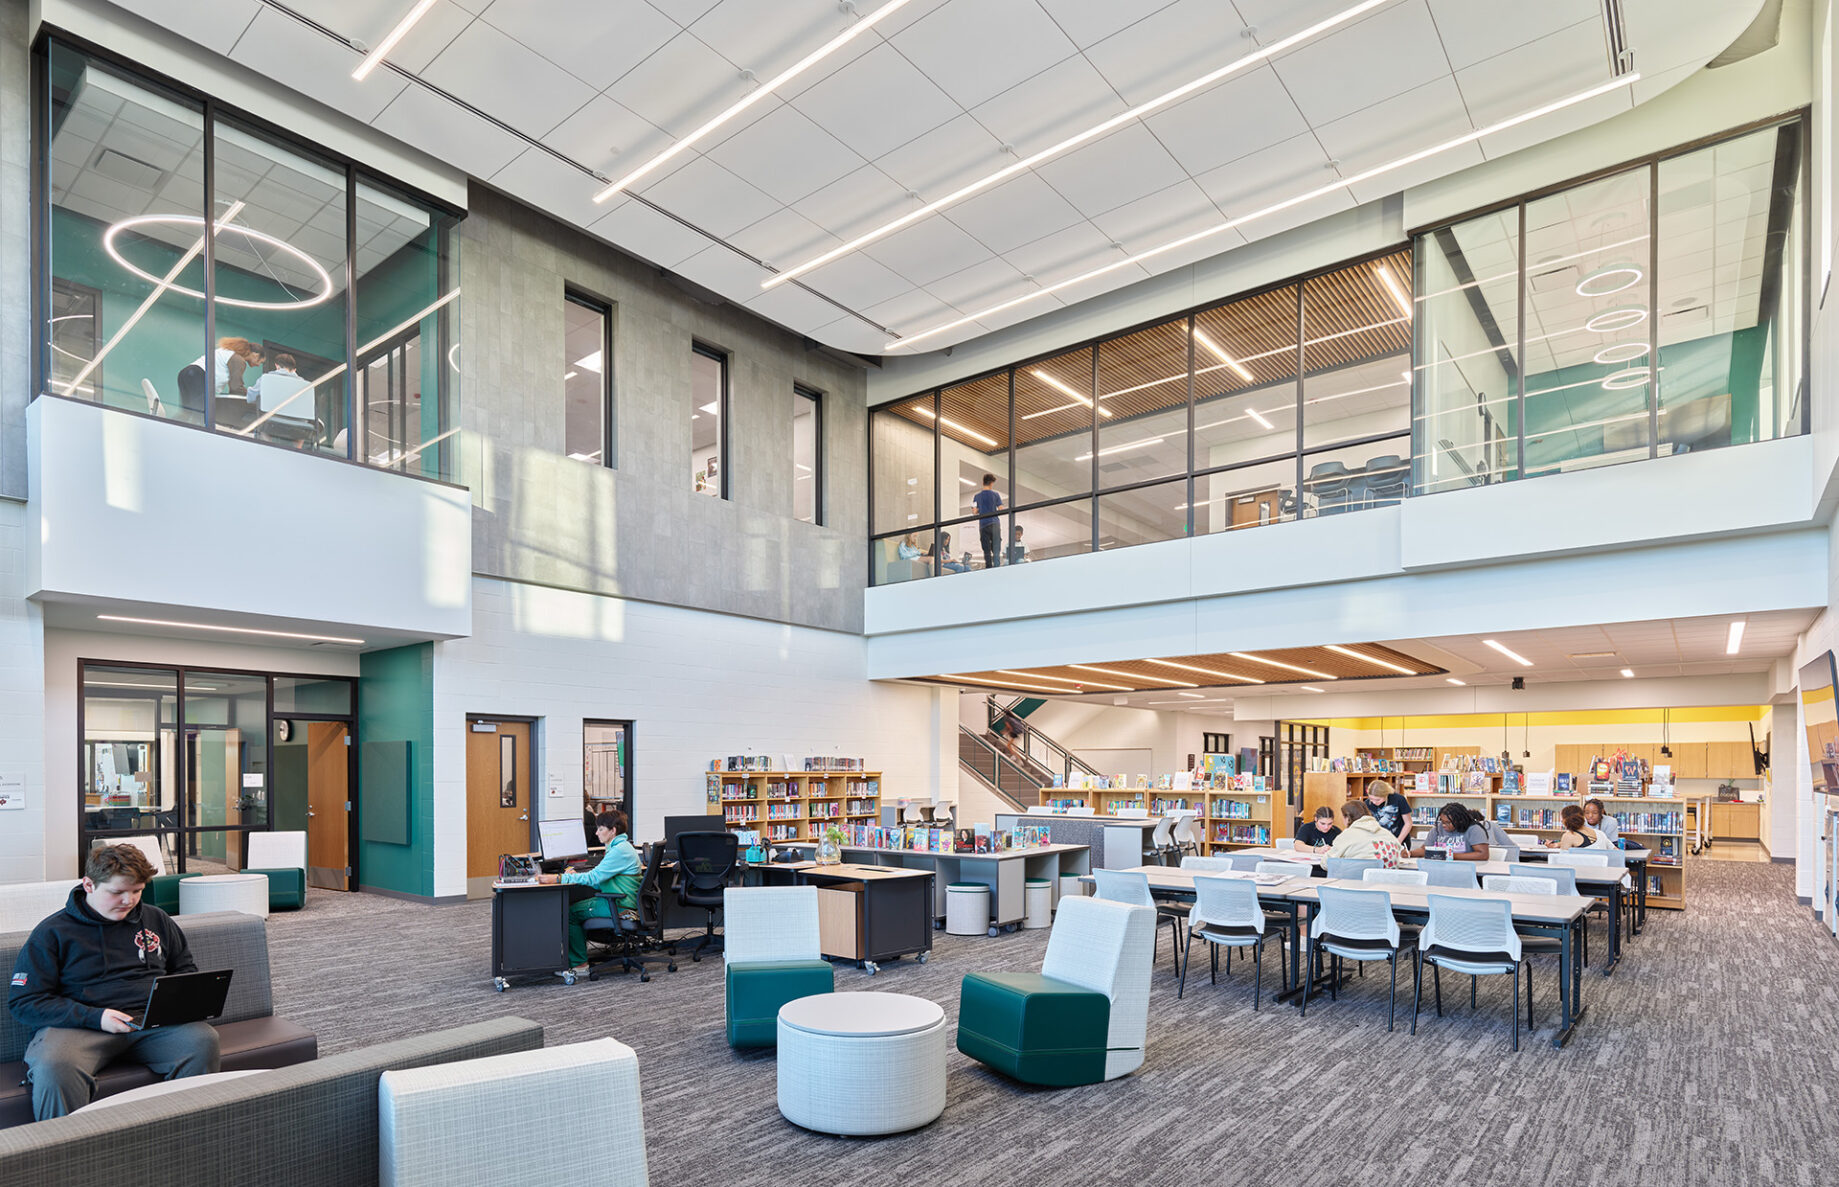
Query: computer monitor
<point>562,839</point>
<point>688,824</point>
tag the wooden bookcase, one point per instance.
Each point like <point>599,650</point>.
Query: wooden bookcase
<point>794,805</point>
<point>1655,823</point>
<point>1221,816</point>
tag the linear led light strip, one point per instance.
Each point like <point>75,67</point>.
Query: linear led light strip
<point>1133,676</point>
<point>1064,680</point>
<point>191,253</point>
<point>1011,684</point>
<point>1169,663</point>
<point>375,57</point>
<point>952,424</point>
<point>235,630</point>
<point>1371,659</point>
<point>335,372</point>
<point>1065,389</point>
<point>752,97</point>
<point>1511,654</point>
<point>1277,663</point>
<point>1071,142</point>
<point>1340,184</point>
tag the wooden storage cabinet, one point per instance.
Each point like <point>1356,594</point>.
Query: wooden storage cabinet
<point>1736,822</point>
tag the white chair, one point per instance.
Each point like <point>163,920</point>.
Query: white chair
<point>1579,858</point>
<point>1132,813</point>
<point>1357,925</point>
<point>1396,877</point>
<point>1530,884</point>
<point>1510,884</point>
<point>1187,836</point>
<point>1108,947</point>
<point>152,393</point>
<point>283,858</point>
<point>1289,869</point>
<point>775,926</point>
<point>1458,875</point>
<point>1079,811</point>
<point>1162,840</point>
<point>549,1112</point>
<point>1227,914</point>
<point>1473,936</point>
<point>1212,865</point>
<point>1122,886</point>
<point>1245,862</point>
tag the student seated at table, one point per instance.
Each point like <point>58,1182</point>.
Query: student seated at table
<point>1577,833</point>
<point>1365,837</point>
<point>1597,818</point>
<point>1319,833</point>
<point>617,874</point>
<point>1459,832</point>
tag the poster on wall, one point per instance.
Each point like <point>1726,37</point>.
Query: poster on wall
<point>12,793</point>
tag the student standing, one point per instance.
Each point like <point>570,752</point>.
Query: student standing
<point>989,528</point>
<point>1392,810</point>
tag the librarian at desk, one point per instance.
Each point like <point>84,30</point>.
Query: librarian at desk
<point>617,874</point>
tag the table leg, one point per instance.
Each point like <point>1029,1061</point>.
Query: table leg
<point>1640,898</point>
<point>1293,930</point>
<point>1570,983</point>
<point>1615,929</point>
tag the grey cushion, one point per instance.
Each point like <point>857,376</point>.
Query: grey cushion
<point>311,1123</point>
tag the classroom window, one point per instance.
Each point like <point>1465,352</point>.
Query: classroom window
<point>203,268</point>
<point>807,455</point>
<point>587,408</point>
<point>709,422</point>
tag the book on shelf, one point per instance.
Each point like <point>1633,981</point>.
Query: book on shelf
<point>1564,781</point>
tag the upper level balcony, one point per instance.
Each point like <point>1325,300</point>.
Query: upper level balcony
<point>1653,312</point>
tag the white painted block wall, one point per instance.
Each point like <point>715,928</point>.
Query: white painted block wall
<point>697,686</point>
<point>22,707</point>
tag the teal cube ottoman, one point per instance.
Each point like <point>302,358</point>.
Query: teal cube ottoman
<point>1033,1028</point>
<point>756,990</point>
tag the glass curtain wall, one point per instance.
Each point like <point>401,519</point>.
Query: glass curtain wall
<point>199,268</point>
<point>1653,311</point>
<point>1188,425</point>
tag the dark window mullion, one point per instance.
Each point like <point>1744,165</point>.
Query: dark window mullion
<point>210,264</point>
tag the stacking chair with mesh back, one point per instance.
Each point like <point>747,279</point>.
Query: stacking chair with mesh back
<point>1351,868</point>
<point>1385,480</point>
<point>1187,836</point>
<point>1590,859</point>
<point>1122,886</point>
<point>1356,925</point>
<point>1455,874</point>
<point>1245,863</point>
<point>636,939</point>
<point>1473,936</point>
<point>1227,914</point>
<point>1210,864</point>
<point>1542,882</point>
<point>704,861</point>
<point>1328,482</point>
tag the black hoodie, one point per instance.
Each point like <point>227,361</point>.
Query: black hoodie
<point>77,964</point>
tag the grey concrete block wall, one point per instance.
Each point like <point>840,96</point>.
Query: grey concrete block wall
<point>637,529</point>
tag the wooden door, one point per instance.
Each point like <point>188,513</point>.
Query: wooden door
<point>328,804</point>
<point>498,796</point>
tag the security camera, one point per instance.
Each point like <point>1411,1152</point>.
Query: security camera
<point>1519,684</point>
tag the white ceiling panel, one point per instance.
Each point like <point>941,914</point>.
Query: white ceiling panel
<point>1385,53</point>
<point>789,158</point>
<point>1107,173</point>
<point>506,79</point>
<point>974,51</point>
<point>1018,211</point>
<point>923,102</point>
<point>877,103</point>
<point>647,234</point>
<point>597,41</point>
<point>790,305</point>
<point>1180,42</point>
<point>715,267</point>
<point>1245,113</point>
<point>1061,101</point>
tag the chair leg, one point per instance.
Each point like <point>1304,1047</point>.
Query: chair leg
<point>1257,973</point>
<point>1229,962</point>
<point>1308,975</point>
<point>1472,981</point>
<point>1392,998</point>
<point>1436,977</point>
<point>1516,1008</point>
<point>1213,974</point>
<point>1529,1005</point>
<point>1417,990</point>
<point>1334,977</point>
<point>1187,951</point>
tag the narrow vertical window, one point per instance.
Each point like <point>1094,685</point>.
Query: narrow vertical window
<point>807,455</point>
<point>709,422</point>
<point>587,338</point>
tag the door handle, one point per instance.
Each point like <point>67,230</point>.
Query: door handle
<point>525,816</point>
<point>310,815</point>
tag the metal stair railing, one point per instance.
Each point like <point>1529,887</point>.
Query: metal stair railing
<point>990,764</point>
<point>1037,748</point>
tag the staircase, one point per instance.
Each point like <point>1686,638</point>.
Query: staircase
<point>1015,777</point>
<point>1011,781</point>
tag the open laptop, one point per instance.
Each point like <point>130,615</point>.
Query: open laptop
<point>178,998</point>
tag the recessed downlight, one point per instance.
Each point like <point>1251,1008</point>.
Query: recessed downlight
<point>1628,672</point>
<point>1734,642</point>
<point>1453,680</point>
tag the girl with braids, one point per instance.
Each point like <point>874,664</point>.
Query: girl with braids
<point>1458,832</point>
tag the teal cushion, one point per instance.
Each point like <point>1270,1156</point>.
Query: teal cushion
<point>163,891</point>
<point>1033,1028</point>
<point>756,990</point>
<point>286,888</point>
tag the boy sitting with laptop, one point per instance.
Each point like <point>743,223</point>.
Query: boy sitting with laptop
<point>83,974</point>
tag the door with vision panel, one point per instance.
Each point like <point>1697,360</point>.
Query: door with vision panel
<point>498,797</point>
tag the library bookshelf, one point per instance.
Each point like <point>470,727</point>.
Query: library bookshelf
<point>794,805</point>
<point>1229,819</point>
<point>1654,823</point>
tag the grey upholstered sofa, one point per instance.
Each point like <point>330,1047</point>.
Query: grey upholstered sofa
<point>251,1035</point>
<point>312,1123</point>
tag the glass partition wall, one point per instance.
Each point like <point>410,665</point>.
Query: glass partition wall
<point>1518,342</point>
<point>201,268</point>
<point>1209,422</point>
<point>1654,310</point>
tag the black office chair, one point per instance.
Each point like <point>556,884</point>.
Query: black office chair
<point>633,943</point>
<point>1386,480</point>
<point>704,861</point>
<point>193,389</point>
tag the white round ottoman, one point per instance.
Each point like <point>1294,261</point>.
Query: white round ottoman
<point>861,1063</point>
<point>247,893</point>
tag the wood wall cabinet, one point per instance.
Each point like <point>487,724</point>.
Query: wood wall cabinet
<point>1688,760</point>
<point>1728,760</point>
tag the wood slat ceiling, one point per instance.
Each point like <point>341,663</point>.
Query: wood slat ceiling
<point>1196,671</point>
<point>1351,319</point>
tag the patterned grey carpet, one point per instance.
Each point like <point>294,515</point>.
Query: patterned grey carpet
<point>1708,1057</point>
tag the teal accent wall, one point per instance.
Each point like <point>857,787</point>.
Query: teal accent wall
<point>396,704</point>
